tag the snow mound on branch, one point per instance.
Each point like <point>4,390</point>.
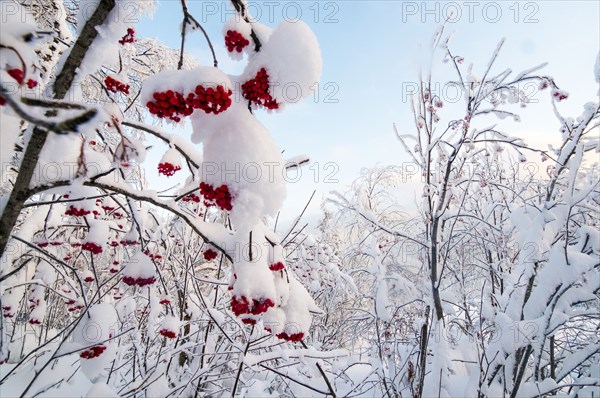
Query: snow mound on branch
<point>94,329</point>
<point>298,307</point>
<point>240,153</point>
<point>292,57</point>
<point>140,268</point>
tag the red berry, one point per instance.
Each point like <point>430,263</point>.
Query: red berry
<point>31,83</point>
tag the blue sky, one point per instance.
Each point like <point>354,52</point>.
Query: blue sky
<point>372,52</point>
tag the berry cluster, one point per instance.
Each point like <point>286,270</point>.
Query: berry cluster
<point>75,308</point>
<point>165,301</point>
<point>294,337</point>
<point>278,266</point>
<point>242,306</point>
<point>128,38</point>
<point>141,282</point>
<point>257,90</point>
<point>17,74</point>
<point>7,313</point>
<point>114,268</point>
<point>73,211</point>
<point>127,242</point>
<point>220,196</point>
<point>191,198</point>
<point>92,247</point>
<point>93,352</point>
<point>210,255</point>
<point>19,77</point>
<point>171,104</point>
<point>115,86</point>
<point>559,95</point>
<point>234,40</point>
<point>168,333</point>
<point>168,169</point>
<point>211,100</point>
<point>152,255</point>
<point>35,321</point>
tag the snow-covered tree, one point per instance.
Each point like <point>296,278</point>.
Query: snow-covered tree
<point>492,289</point>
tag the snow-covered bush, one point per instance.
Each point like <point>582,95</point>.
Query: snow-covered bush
<point>111,288</point>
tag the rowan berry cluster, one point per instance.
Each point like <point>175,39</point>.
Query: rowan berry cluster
<point>210,255</point>
<point>171,104</point>
<point>168,169</point>
<point>257,90</point>
<point>191,198</point>
<point>294,337</point>
<point>116,86</point>
<point>168,333</point>
<point>128,38</point>
<point>240,306</point>
<point>93,352</point>
<point>278,266</point>
<point>141,282</point>
<point>73,211</point>
<point>220,196</point>
<point>234,40</point>
<point>92,247</point>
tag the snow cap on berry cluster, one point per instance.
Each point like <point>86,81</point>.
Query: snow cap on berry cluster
<point>170,162</point>
<point>79,207</point>
<point>170,327</point>
<point>254,283</point>
<point>139,270</point>
<point>91,335</point>
<point>297,311</point>
<point>95,240</point>
<point>45,272</point>
<point>292,59</point>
